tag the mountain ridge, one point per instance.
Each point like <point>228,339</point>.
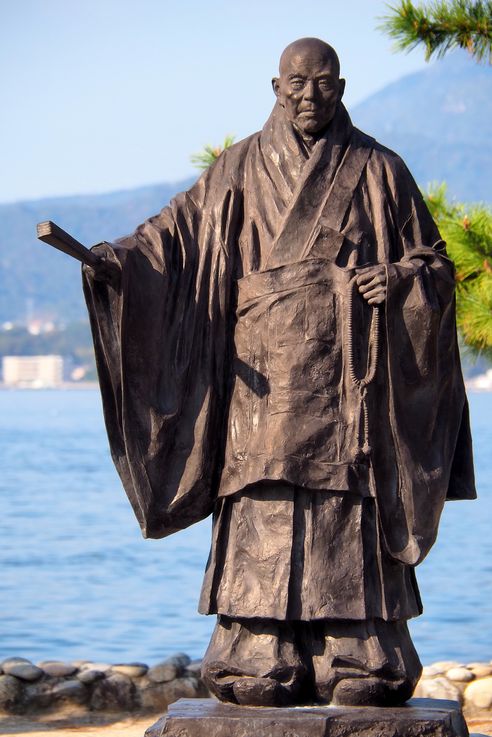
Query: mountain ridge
<point>436,119</point>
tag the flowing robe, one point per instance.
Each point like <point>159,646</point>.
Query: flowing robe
<point>233,352</point>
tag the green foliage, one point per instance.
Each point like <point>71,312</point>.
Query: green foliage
<point>210,153</point>
<point>442,26</point>
<point>467,230</point>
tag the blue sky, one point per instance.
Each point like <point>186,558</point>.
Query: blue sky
<point>99,95</point>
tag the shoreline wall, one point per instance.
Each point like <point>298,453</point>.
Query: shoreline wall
<point>26,688</point>
<point>131,687</point>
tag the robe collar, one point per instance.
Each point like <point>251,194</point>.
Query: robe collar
<point>285,154</point>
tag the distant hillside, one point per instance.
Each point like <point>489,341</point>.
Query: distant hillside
<point>35,279</point>
<point>437,119</point>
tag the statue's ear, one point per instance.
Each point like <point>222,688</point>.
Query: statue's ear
<point>341,88</point>
<point>275,85</point>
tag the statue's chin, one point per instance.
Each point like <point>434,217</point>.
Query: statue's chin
<point>311,127</point>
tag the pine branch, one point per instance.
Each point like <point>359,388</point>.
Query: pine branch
<point>442,26</point>
<point>205,158</point>
<point>467,231</point>
<point>475,323</point>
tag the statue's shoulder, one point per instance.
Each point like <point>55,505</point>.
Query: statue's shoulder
<point>234,156</point>
<point>224,174</point>
<point>381,155</point>
<point>228,168</point>
<point>241,147</point>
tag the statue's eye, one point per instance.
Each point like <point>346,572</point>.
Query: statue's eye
<point>297,84</point>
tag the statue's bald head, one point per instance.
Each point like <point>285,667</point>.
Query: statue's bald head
<point>309,48</point>
<point>309,87</point>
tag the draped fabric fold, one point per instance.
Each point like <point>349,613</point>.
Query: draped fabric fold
<point>163,346</point>
<point>176,373</point>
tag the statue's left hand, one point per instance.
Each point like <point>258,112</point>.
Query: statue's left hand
<point>371,281</point>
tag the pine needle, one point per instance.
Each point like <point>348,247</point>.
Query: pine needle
<point>467,230</point>
<point>441,26</point>
<point>209,154</point>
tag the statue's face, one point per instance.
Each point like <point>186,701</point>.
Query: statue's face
<point>309,89</point>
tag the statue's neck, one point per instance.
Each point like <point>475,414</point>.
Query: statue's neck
<point>307,141</point>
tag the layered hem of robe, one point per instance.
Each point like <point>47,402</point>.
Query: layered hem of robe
<point>286,553</point>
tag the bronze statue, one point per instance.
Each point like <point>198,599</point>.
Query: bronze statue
<point>278,348</point>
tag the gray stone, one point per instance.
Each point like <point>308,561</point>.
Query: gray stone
<point>444,665</point>
<point>180,660</point>
<point>194,668</point>
<point>132,670</point>
<point>157,696</point>
<point>184,688</point>
<point>89,665</point>
<point>162,672</point>
<point>72,690</point>
<point>7,662</point>
<point>115,693</point>
<point>438,688</point>
<point>460,674</point>
<point>11,693</point>
<point>479,693</point>
<point>57,669</point>
<point>53,691</point>
<point>480,670</point>
<point>169,669</point>
<point>24,671</point>
<point>14,659</point>
<point>428,671</point>
<point>198,717</point>
<point>90,676</point>
<point>152,696</point>
<point>39,695</point>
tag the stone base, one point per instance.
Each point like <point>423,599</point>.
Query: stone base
<point>210,718</point>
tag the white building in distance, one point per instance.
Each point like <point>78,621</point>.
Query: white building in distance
<point>33,372</point>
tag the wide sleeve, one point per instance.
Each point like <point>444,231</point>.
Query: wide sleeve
<point>427,406</point>
<point>162,342</point>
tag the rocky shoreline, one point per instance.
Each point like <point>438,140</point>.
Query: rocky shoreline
<point>26,688</point>
<point>469,684</point>
<point>130,687</point>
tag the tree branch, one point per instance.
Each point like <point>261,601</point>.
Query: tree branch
<point>442,26</point>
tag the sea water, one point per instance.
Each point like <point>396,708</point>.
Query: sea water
<point>78,580</point>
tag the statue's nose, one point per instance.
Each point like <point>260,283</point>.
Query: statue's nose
<point>309,91</point>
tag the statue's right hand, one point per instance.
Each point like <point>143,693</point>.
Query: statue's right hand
<point>105,270</point>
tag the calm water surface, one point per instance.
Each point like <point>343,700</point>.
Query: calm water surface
<point>78,581</point>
